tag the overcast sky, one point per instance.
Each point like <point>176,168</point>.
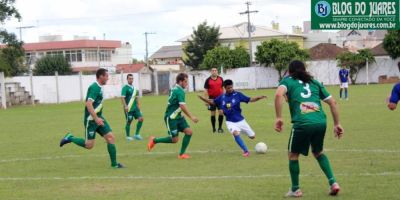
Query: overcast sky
<point>127,20</point>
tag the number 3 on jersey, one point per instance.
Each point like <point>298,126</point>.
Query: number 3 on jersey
<point>308,91</point>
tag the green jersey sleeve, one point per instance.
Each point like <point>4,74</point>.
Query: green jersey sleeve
<point>181,97</point>
<point>323,93</point>
<point>92,93</point>
<point>123,92</point>
<point>285,83</point>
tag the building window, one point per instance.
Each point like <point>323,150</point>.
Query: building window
<point>91,55</point>
<point>105,55</point>
<point>53,53</point>
<point>73,56</point>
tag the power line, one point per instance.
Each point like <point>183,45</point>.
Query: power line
<point>249,29</point>
<point>20,30</point>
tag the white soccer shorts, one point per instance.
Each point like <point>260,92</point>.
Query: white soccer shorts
<point>344,85</point>
<point>241,127</point>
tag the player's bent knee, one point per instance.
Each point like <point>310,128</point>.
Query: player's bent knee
<point>293,156</point>
<point>188,131</point>
<point>89,144</point>
<point>317,155</point>
<point>110,138</point>
<point>141,119</point>
<point>236,133</point>
<point>175,139</point>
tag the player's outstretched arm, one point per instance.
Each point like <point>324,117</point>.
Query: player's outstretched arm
<point>254,99</point>
<point>207,101</point>
<point>187,113</point>
<point>279,97</point>
<point>338,129</point>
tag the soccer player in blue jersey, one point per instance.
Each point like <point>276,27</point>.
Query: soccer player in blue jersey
<point>344,82</point>
<point>395,96</point>
<point>229,102</point>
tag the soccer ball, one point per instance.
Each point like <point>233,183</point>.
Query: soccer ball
<point>261,148</point>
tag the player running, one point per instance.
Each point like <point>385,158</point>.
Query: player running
<point>213,89</point>
<point>344,82</point>
<point>229,102</point>
<point>309,122</point>
<point>174,121</point>
<point>130,102</point>
<point>94,120</point>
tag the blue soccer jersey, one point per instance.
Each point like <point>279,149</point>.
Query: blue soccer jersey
<point>230,104</point>
<point>395,96</point>
<point>344,75</point>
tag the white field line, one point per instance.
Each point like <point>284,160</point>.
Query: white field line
<point>193,152</point>
<point>41,178</point>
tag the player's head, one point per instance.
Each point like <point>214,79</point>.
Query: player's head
<point>182,80</point>
<point>297,70</point>
<point>228,85</point>
<point>102,76</point>
<point>129,78</point>
<point>343,66</point>
<point>214,72</point>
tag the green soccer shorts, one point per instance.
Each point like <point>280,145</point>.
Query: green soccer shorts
<point>175,126</point>
<point>304,136</point>
<point>135,114</point>
<point>91,128</point>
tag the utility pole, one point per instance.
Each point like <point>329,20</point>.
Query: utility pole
<point>248,12</point>
<point>20,30</point>
<point>147,48</point>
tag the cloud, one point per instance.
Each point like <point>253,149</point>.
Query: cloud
<point>127,20</point>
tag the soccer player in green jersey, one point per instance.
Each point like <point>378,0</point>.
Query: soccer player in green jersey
<point>174,120</point>
<point>94,120</point>
<point>130,101</point>
<point>304,95</point>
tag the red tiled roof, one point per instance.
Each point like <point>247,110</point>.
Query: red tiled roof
<point>129,68</point>
<point>325,51</point>
<point>72,44</point>
<point>379,50</point>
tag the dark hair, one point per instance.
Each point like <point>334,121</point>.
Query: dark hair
<point>101,72</point>
<point>181,77</point>
<point>129,75</point>
<point>297,70</point>
<point>398,65</point>
<point>228,82</point>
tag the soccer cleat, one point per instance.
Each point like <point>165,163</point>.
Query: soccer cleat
<point>246,154</point>
<point>65,140</point>
<point>335,188</point>
<point>128,139</point>
<point>138,137</point>
<point>184,156</point>
<point>151,143</point>
<point>220,130</point>
<point>295,194</point>
<point>118,166</point>
<point>214,130</point>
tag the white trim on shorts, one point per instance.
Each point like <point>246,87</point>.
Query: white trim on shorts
<point>241,127</point>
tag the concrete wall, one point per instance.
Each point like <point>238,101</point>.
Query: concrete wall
<point>69,87</point>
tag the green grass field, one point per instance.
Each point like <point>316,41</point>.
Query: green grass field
<point>366,160</point>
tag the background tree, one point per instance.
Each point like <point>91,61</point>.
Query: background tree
<point>355,61</point>
<point>12,56</point>
<point>279,54</point>
<point>391,43</point>
<point>49,64</point>
<point>203,38</point>
<point>223,56</point>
